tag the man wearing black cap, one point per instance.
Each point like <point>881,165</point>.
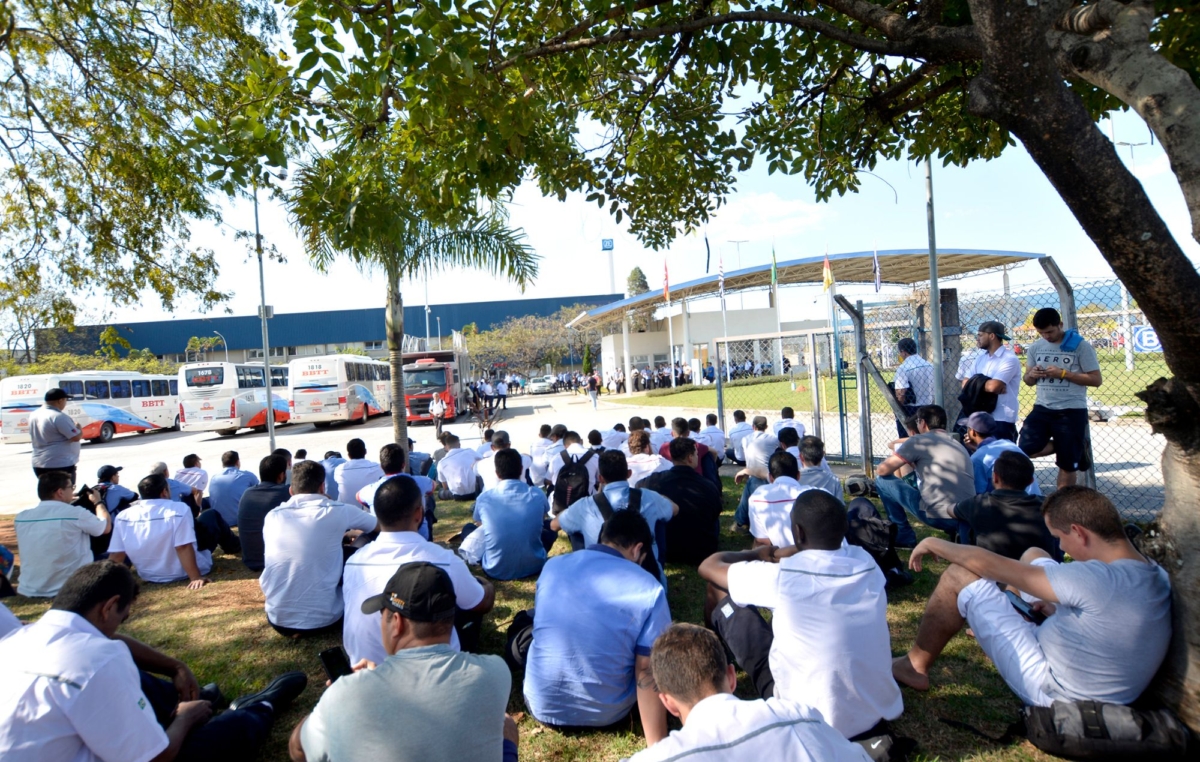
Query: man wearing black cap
<point>451,703</point>
<point>54,435</point>
<point>109,477</point>
<point>1003,369</point>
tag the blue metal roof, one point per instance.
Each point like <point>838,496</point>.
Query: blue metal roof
<point>163,337</point>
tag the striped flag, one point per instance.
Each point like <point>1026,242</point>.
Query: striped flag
<point>666,283</point>
<point>827,274</point>
<point>721,276</point>
<point>875,269</point>
<point>774,269</point>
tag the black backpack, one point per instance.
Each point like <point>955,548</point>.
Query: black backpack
<point>573,482</point>
<point>635,504</point>
<point>876,535</point>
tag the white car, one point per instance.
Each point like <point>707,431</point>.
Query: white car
<point>541,385</point>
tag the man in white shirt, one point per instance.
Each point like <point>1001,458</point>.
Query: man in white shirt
<point>787,419</point>
<point>696,683</point>
<point>55,536</point>
<point>715,437</point>
<point>537,454</point>
<point>159,536</point>
<point>737,436</point>
<point>302,555</point>
<point>392,459</point>
<point>1002,366</point>
<point>815,470</point>
<point>398,506</point>
<point>437,408</point>
<point>661,434</point>
<point>771,504</point>
<point>914,381</point>
<point>485,446</point>
<point>827,645</point>
<point>486,467</point>
<point>456,471</point>
<point>502,393</point>
<point>757,448</point>
<point>355,473</point>
<point>191,474</point>
<point>642,462</point>
<point>73,689</point>
<point>574,450</point>
<point>613,438</point>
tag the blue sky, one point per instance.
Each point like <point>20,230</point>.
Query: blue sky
<point>1003,204</point>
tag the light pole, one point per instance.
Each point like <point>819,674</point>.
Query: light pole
<point>741,295</point>
<point>262,313</point>
<point>439,319</point>
<point>224,344</point>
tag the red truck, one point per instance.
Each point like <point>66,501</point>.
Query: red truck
<point>434,372</point>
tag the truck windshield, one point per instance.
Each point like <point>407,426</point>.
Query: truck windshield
<point>431,380</point>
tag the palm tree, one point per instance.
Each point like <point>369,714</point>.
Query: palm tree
<point>354,207</point>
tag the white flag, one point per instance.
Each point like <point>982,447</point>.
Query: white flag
<point>721,276</point>
<point>875,269</point>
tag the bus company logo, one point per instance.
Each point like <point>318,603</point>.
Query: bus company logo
<point>206,406</point>
<point>313,372</point>
<point>153,403</point>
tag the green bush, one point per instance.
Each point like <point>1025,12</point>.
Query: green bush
<point>727,385</point>
<point>142,361</point>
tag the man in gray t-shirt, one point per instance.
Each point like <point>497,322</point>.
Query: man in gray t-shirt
<point>944,472</point>
<point>54,436</point>
<point>1108,612</point>
<point>1061,365</point>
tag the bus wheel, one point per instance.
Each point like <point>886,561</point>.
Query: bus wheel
<point>259,429</point>
<point>176,426</point>
<point>321,425</point>
<point>366,415</point>
<point>106,432</point>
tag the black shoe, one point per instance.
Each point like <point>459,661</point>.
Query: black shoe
<point>212,694</point>
<point>281,692</point>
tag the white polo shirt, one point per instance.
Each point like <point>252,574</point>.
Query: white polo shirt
<point>660,437</point>
<point>723,727</point>
<point>1003,365</point>
<point>537,451</point>
<point>643,464</point>
<point>771,511</point>
<point>149,531</point>
<point>353,475</point>
<point>194,477</point>
<point>613,439</point>
<point>483,449</point>
<point>577,451</point>
<point>54,539</point>
<point>486,469</point>
<point>69,694</point>
<point>716,439</point>
<point>367,573</point>
<point>832,650</point>
<point>759,447</point>
<point>457,470</point>
<point>737,436</point>
<point>302,559</point>
<point>788,423</point>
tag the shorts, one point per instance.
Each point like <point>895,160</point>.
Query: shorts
<point>1007,638</point>
<point>1068,429</point>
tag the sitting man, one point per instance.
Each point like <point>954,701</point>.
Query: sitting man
<point>695,683</point>
<point>456,471</point>
<point>452,703</point>
<point>302,555</point>
<point>55,536</point>
<point>192,474</point>
<point>642,463</point>
<point>758,447</point>
<point>680,430</point>
<point>827,645</point>
<point>399,506</point>
<point>330,462</point>
<point>716,437</point>
<point>392,460</point>
<point>944,472</point>
<point>72,688</point>
<point>771,504</point>
<point>116,496</point>
<point>486,469</point>
<point>271,492</point>
<point>597,616</point>
<point>1108,612</point>
<point>510,541</point>
<point>660,435</point>
<point>573,451</point>
<point>787,420</point>
<point>537,454</point>
<point>815,470</point>
<point>226,488</point>
<point>1008,520</point>
<point>735,452</point>
<point>162,539</point>
<point>692,534</point>
<point>585,517</point>
<point>355,473</point>
<point>985,448</point>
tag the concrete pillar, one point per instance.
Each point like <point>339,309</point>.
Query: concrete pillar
<point>625,351</point>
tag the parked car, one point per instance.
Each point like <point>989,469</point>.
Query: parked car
<point>541,385</point>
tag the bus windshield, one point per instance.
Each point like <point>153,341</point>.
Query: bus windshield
<point>431,380</point>
<point>204,376</point>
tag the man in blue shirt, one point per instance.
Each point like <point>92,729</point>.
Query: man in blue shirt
<point>226,488</point>
<point>510,539</point>
<point>111,475</point>
<point>981,428</point>
<point>332,460</point>
<point>597,617</point>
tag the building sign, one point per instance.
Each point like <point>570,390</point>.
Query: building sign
<point>606,244</point>
<point>1145,339</point>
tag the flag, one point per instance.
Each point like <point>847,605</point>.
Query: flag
<point>875,269</point>
<point>666,284</point>
<point>721,276</point>
<point>774,269</point>
<point>827,274</point>
<point>707,254</point>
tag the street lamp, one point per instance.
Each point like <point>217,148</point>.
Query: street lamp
<point>224,344</point>
<point>262,313</point>
<point>439,319</point>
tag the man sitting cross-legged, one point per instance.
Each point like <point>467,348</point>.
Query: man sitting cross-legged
<point>597,616</point>
<point>771,504</point>
<point>271,492</point>
<point>1109,611</point>
<point>815,470</point>
<point>55,536</point>
<point>642,463</point>
<point>424,700</point>
<point>393,461</point>
<point>827,645</point>
<point>511,540</point>
<point>696,683</point>
<point>1007,520</point>
<point>398,504</point>
<point>758,446</point>
<point>302,553</point>
<point>693,533</point>
<point>72,688</point>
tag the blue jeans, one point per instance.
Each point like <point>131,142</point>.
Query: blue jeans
<point>230,735</point>
<point>900,499</point>
<point>742,514</point>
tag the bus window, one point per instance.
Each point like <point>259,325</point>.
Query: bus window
<point>385,372</point>
<point>73,388</point>
<point>120,390</point>
<point>142,387</point>
<point>250,378</point>
<point>279,376</point>
<point>374,372</point>
<point>174,387</point>
<point>160,388</point>
<point>96,390</point>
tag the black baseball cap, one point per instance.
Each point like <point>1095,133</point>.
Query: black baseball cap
<point>418,591</point>
<point>56,394</point>
<point>996,327</point>
<point>107,472</point>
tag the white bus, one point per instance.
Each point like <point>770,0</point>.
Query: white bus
<point>102,402</point>
<point>225,397</point>
<point>338,388</point>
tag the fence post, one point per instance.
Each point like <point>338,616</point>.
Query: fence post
<point>720,388</point>
<point>951,328</point>
<point>864,391</point>
<point>814,376</point>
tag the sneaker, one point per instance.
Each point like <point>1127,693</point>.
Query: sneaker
<point>743,529</point>
<point>212,694</point>
<point>279,693</point>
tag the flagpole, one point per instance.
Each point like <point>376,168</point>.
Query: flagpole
<point>670,328</point>
<point>724,321</point>
<point>778,358</point>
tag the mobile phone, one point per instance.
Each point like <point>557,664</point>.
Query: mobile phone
<point>335,662</point>
<point>1024,609</point>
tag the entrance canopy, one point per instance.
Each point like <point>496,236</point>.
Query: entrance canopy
<point>897,267</point>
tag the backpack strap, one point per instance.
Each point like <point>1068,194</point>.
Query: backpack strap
<point>585,457</point>
<point>602,502</point>
<point>635,500</point>
<point>566,459</point>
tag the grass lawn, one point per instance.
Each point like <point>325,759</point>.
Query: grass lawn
<point>222,634</point>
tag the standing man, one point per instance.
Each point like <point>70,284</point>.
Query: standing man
<point>437,408</point>
<point>226,488</point>
<point>54,435</point>
<point>502,393</point>
<point>914,381</point>
<point>593,388</point>
<point>1061,367</point>
<point>1003,370</point>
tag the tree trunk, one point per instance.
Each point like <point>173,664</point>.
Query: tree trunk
<point>1022,89</point>
<point>394,319</point>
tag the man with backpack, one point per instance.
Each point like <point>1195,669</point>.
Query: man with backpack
<point>572,471</point>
